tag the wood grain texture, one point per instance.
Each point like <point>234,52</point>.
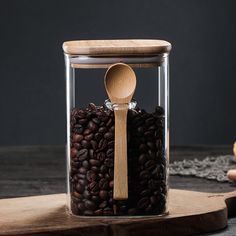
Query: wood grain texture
<point>120,84</point>
<point>121,47</point>
<point>37,170</point>
<point>120,162</point>
<point>190,213</point>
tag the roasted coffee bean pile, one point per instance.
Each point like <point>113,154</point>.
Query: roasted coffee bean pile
<point>92,163</point>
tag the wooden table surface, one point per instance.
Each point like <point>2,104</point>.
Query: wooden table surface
<point>39,170</point>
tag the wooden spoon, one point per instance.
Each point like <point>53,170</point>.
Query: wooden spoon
<point>120,84</point>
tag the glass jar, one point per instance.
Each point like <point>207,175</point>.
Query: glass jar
<point>91,128</point>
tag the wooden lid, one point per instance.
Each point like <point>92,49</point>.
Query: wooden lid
<point>119,47</point>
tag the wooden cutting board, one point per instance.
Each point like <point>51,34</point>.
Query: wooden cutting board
<point>190,213</point>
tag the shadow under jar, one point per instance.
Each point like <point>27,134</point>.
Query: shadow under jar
<point>91,127</point>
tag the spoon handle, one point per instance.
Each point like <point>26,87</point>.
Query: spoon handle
<point>120,164</point>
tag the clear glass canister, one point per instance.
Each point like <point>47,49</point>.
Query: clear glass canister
<point>91,142</point>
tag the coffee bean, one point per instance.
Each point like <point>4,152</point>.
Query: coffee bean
<point>109,122</point>
<point>101,156</point>
<point>143,203</point>
<point>103,194</point>
<point>160,123</point>
<point>141,129</point>
<point>102,144</point>
<point>111,202</point>
<point>151,154</point>
<point>150,165</point>
<point>108,135</point>
<point>112,129</point>
<point>110,153</point>
<point>109,162</point>
<point>103,169</point>
<point>103,204</point>
<point>145,192</point>
<point>107,176</point>
<point>98,136</point>
<point>79,188</point>
<point>79,129</point>
<point>95,169</point>
<point>159,111</point>
<point>149,134</point>
<point>73,152</point>
<point>138,121</point>
<point>96,121</point>
<point>93,144</point>
<point>74,112</point>
<point>94,162</point>
<point>111,172</point>
<point>104,119</point>
<point>143,148</point>
<point>81,176</point>
<point>81,206</point>
<point>92,106</point>
<point>154,200</point>
<point>153,184</point>
<point>86,194</point>
<point>144,174</point>
<point>85,144</point>
<point>111,144</point>
<point>82,121</point>
<point>100,175</point>
<point>82,154</point>
<point>86,164</point>
<point>77,146</point>
<point>103,184</point>
<point>95,199</point>
<point>93,186</point>
<point>82,182</point>
<point>111,184</point>
<point>92,126</point>
<point>142,159</point>
<point>82,170</point>
<point>149,121</point>
<point>102,130</point>
<point>91,175</point>
<point>91,153</point>
<point>87,132</point>
<point>88,137</point>
<point>151,145</point>
<point>99,114</point>
<point>77,195</point>
<point>152,127</point>
<point>81,114</point>
<point>77,138</point>
<point>102,124</point>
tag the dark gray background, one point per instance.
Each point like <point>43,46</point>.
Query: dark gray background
<point>203,71</point>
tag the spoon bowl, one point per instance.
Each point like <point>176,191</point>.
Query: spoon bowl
<point>120,83</point>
